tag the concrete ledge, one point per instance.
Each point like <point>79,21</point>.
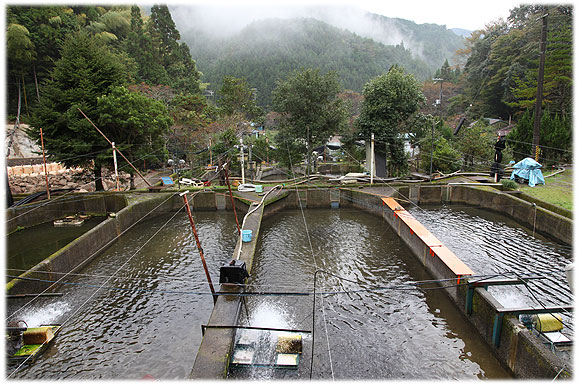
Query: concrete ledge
<point>213,357</point>
<point>548,223</point>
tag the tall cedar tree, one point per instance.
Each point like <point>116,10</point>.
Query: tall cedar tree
<point>169,53</point>
<point>87,70</point>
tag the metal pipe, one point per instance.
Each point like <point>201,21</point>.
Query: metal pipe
<point>184,195</point>
<point>204,327</point>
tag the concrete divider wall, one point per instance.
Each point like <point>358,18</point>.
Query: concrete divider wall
<point>213,357</point>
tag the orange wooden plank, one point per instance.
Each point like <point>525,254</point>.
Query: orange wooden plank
<point>434,244</point>
<point>451,260</point>
<point>392,203</point>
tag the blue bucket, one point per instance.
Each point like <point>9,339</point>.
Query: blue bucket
<point>246,235</point>
<point>258,188</point>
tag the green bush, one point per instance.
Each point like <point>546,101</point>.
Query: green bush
<point>509,185</point>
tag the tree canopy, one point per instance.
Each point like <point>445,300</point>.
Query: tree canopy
<point>310,106</point>
<point>389,101</point>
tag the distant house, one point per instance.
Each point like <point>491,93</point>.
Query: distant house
<point>505,131</point>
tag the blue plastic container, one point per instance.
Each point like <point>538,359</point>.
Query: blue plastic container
<point>258,188</point>
<point>246,235</point>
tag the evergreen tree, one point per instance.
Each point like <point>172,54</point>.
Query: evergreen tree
<point>86,70</point>
<point>390,100</point>
<point>174,57</point>
<point>237,96</point>
<point>310,107</point>
<point>136,123</point>
<point>140,48</point>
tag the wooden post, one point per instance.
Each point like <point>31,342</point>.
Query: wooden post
<point>109,141</point>
<point>115,163</point>
<point>44,161</point>
<point>184,195</point>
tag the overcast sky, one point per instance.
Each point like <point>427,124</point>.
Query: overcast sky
<point>467,14</point>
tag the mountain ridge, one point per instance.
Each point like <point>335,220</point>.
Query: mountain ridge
<point>268,49</point>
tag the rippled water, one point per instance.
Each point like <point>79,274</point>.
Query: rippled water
<point>147,319</point>
<point>391,334</point>
<point>490,243</point>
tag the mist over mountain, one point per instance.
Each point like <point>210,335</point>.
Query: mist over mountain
<point>263,43</point>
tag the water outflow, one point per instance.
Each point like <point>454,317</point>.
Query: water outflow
<point>147,319</point>
<point>383,334</point>
<point>490,243</point>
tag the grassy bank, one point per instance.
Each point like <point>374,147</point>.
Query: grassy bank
<point>558,189</point>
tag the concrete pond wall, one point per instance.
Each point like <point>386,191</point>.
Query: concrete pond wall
<point>518,349</point>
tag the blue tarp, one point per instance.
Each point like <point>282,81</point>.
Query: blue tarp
<point>167,180</point>
<point>528,169</point>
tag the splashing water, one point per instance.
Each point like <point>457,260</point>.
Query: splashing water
<point>264,314</point>
<point>46,315</point>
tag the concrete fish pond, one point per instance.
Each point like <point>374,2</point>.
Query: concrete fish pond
<point>147,319</point>
<point>343,284</point>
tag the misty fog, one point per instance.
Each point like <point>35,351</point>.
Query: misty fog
<point>223,22</point>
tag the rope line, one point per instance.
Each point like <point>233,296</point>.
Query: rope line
<point>316,265</point>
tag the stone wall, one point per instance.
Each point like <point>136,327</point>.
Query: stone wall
<point>28,179</point>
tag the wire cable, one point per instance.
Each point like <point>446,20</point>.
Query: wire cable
<point>93,255</point>
<point>105,282</point>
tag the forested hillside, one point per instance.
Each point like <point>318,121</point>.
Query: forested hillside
<point>268,50</point>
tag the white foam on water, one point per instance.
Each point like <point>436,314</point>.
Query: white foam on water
<point>270,315</point>
<point>510,296</point>
<point>45,315</point>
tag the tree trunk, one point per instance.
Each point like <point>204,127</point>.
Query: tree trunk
<point>98,177</point>
<point>36,84</point>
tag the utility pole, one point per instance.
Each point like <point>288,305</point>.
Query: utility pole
<point>242,159</point>
<point>109,141</point>
<point>540,90</point>
<point>309,152</point>
<point>225,167</point>
<point>372,157</point>
<point>250,162</point>
<point>438,103</point>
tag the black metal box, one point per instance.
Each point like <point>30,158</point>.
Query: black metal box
<point>234,272</point>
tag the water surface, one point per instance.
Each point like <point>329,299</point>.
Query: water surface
<point>146,320</point>
<point>387,334</point>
